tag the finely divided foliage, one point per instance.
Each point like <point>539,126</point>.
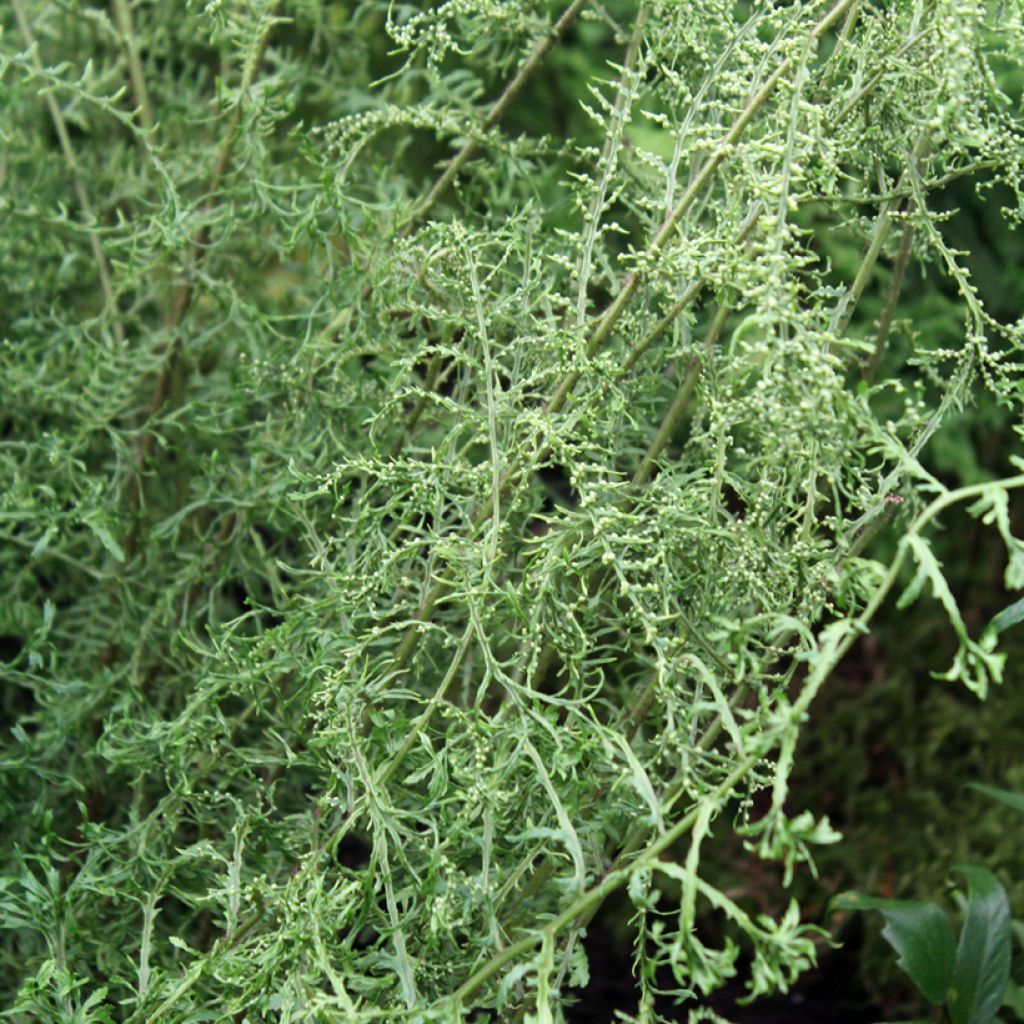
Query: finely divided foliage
<point>422,519</point>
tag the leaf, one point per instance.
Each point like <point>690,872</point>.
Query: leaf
<point>106,538</point>
<point>1014,576</point>
<point>1007,796</point>
<point>930,569</point>
<point>1014,999</point>
<point>975,664</point>
<point>640,780</point>
<point>40,545</point>
<point>983,956</point>
<point>1009,616</point>
<point>919,932</point>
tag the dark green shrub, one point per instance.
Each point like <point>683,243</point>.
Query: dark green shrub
<point>423,513</point>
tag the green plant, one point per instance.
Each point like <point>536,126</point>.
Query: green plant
<point>969,979</point>
<point>423,518</point>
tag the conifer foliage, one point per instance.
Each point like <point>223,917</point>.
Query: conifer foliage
<point>440,449</point>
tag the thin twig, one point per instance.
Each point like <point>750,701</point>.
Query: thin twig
<point>870,84</point>
<point>540,50</point>
<point>612,143</point>
<point>140,94</point>
<point>640,349</point>
<point>899,271</point>
<point>61,128</point>
<point>902,192</point>
<point>677,409</point>
<point>182,299</point>
<point>843,312</point>
<point>606,322</point>
<point>596,894</point>
<point>585,905</point>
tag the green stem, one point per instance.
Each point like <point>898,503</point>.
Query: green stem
<point>581,910</point>
<point>673,416</point>
<point>540,50</point>
<point>903,191</point>
<point>140,95</point>
<point>860,625</point>
<point>609,318</point>
<point>845,309</point>
<point>607,321</point>
<point>170,380</point>
<point>429,383</point>
<point>594,896</point>
<point>64,138</point>
<point>637,352</point>
<point>892,300</point>
<point>417,728</point>
<point>623,102</point>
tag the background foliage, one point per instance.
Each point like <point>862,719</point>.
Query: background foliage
<point>446,448</point>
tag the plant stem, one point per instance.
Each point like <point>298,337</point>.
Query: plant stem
<point>623,103</point>
<point>637,352</point>
<point>540,50</point>
<point>585,905</point>
<point>607,321</point>
<point>596,894</point>
<point>677,409</point>
<point>899,270</point>
<point>184,294</point>
<point>140,95</point>
<point>844,310</point>
<point>61,129</point>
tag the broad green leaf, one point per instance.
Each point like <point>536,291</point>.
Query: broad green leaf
<point>983,956</point>
<point>1006,796</point>
<point>919,932</point>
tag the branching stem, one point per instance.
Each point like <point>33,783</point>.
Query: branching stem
<point>77,181</point>
<point>140,94</point>
<point>536,57</point>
